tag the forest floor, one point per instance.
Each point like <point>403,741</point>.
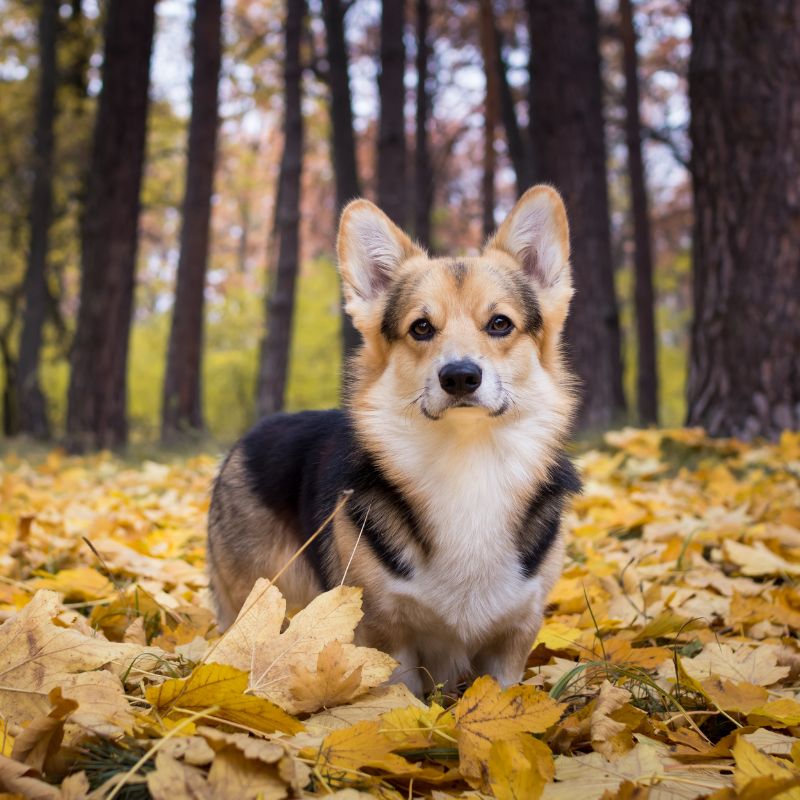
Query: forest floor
<point>668,665</point>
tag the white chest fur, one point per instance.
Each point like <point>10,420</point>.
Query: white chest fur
<point>470,481</point>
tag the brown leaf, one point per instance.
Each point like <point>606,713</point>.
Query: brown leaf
<point>20,779</point>
<point>333,683</point>
<point>234,777</point>
<point>172,780</point>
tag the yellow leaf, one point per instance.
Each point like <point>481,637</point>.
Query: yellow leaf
<point>753,766</point>
<point>785,712</point>
<point>520,768</point>
<point>6,739</point>
<point>558,636</point>
<point>758,559</point>
<point>730,696</point>
<point>487,714</point>
<point>419,727</point>
<point>663,625</point>
<point>362,745</point>
<point>81,583</point>
<point>222,686</point>
<point>333,683</point>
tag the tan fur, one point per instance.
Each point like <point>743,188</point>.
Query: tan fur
<point>468,472</point>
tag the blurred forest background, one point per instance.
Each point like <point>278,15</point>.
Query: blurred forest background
<point>171,173</point>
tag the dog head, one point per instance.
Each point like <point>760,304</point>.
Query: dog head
<point>458,338</point>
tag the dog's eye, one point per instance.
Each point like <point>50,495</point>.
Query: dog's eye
<point>421,330</point>
<point>499,326</point>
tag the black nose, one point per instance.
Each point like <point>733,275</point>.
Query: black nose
<point>460,377</point>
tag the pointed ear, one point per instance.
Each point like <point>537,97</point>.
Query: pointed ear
<point>370,248</point>
<point>536,234</point>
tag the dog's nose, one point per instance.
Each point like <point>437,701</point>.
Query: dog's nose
<point>460,377</point>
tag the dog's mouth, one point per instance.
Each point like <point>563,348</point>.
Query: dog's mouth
<point>466,404</point>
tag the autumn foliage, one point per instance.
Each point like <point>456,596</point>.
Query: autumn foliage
<point>667,666</point>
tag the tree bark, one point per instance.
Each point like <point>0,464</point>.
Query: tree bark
<point>343,147</point>
<point>96,413</point>
<point>423,169</point>
<point>182,403</point>
<point>744,91</point>
<point>569,141</point>
<point>519,150</point>
<point>489,50</point>
<point>31,404</point>
<point>647,373</point>
<point>391,133</point>
<point>274,362</point>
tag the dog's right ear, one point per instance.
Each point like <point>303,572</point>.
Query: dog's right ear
<point>370,248</point>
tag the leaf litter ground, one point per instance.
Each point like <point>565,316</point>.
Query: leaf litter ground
<point>668,665</point>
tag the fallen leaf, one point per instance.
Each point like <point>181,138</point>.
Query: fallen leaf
<point>41,738</point>
<point>333,683</point>
<point>223,687</point>
<point>282,665</point>
<point>486,714</point>
<point>36,656</point>
<point>234,777</point>
<point>519,768</point>
<point>173,780</point>
<point>22,780</point>
<point>756,665</point>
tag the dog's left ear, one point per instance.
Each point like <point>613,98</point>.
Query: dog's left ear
<point>536,234</point>
<point>370,248</point>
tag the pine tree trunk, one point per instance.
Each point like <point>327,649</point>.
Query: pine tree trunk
<point>182,403</point>
<point>423,169</point>
<point>519,150</point>
<point>31,404</point>
<point>96,414</point>
<point>274,362</point>
<point>345,167</point>
<point>391,134</point>
<point>569,142</point>
<point>744,90</point>
<point>488,47</point>
<point>647,372</point>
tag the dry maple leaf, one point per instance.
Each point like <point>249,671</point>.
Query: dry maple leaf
<point>223,687</point>
<point>486,714</point>
<point>36,656</point>
<point>333,683</point>
<point>757,665</point>
<point>588,777</point>
<point>758,775</point>
<point>234,777</point>
<point>284,667</point>
<point>609,736</point>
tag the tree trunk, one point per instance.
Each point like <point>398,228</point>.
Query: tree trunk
<point>343,147</point>
<point>744,91</point>
<point>274,362</point>
<point>488,47</point>
<point>423,169</point>
<point>32,409</point>
<point>569,142</point>
<point>96,414</point>
<point>519,150</point>
<point>647,373</point>
<point>391,134</point>
<point>182,405</point>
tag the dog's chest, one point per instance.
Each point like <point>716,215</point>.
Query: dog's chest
<point>471,504</point>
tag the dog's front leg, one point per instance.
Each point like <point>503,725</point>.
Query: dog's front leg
<point>504,657</point>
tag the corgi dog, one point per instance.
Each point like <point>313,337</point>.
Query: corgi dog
<point>451,447</point>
